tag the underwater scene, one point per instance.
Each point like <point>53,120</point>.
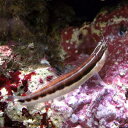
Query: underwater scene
<point>63,64</point>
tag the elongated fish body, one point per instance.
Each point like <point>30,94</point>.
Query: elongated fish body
<point>70,81</point>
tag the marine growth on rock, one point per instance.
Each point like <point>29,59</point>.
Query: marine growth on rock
<point>98,103</point>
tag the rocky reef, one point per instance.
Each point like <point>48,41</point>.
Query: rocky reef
<point>98,103</point>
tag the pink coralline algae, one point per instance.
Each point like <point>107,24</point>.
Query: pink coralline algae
<point>5,55</point>
<point>98,104</point>
<point>95,104</point>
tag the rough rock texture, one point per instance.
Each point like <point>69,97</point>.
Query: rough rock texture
<point>96,104</point>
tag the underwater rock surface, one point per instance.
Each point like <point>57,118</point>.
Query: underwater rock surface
<point>97,103</point>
